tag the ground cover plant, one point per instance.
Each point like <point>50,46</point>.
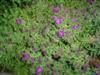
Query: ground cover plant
<point>50,37</point>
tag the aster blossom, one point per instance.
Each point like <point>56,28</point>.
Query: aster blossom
<point>19,21</point>
<point>39,70</point>
<point>56,9</point>
<point>61,33</point>
<point>26,56</point>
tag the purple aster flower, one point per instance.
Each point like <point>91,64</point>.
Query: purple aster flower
<point>74,20</point>
<point>47,65</point>
<point>54,17</point>
<point>58,21</point>
<point>98,66</point>
<point>61,33</point>
<point>66,11</point>
<point>44,52</point>
<point>26,56</point>
<point>97,74</point>
<point>90,1</point>
<point>40,60</point>
<point>39,70</point>
<point>19,21</point>
<point>54,72</point>
<point>75,27</point>
<point>33,59</point>
<point>32,62</point>
<point>85,68</point>
<point>56,9</point>
<point>47,59</point>
<point>94,13</point>
<point>35,49</point>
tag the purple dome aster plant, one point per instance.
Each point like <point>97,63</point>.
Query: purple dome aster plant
<point>97,74</point>
<point>47,65</point>
<point>61,33</point>
<point>58,21</point>
<point>85,68</point>
<point>35,49</point>
<point>33,59</point>
<point>94,13</point>
<point>38,70</point>
<point>47,59</point>
<point>75,27</point>
<point>40,60</point>
<point>19,21</point>
<point>90,1</point>
<point>74,20</point>
<point>56,9</point>
<point>44,52</point>
<point>98,66</point>
<point>54,17</point>
<point>26,57</point>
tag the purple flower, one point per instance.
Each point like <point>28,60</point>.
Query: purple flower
<point>75,27</point>
<point>90,1</point>
<point>58,21</point>
<point>35,49</point>
<point>33,59</point>
<point>19,21</point>
<point>54,17</point>
<point>32,62</point>
<point>98,66</point>
<point>39,70</point>
<point>94,13</point>
<point>66,11</point>
<point>40,60</point>
<point>97,74</point>
<point>26,56</point>
<point>47,59</point>
<point>47,65</point>
<point>44,52</point>
<point>56,9</point>
<point>85,68</point>
<point>74,20</point>
<point>61,33</point>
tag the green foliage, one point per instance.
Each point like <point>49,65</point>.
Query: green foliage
<point>17,2</point>
<point>21,1</point>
